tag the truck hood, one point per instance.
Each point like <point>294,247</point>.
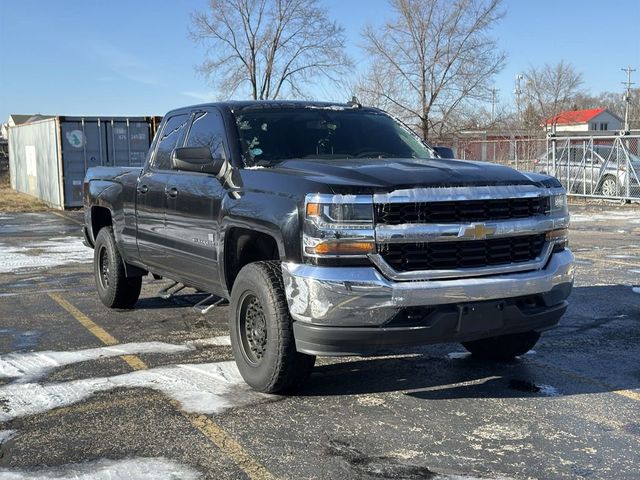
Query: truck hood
<point>394,173</point>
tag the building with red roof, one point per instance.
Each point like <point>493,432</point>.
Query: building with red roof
<point>594,119</point>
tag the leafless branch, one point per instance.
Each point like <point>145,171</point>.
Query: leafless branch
<point>269,48</point>
<point>432,59</point>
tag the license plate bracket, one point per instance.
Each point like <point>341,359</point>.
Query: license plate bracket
<point>480,316</point>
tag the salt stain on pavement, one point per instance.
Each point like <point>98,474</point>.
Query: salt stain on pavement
<point>208,388</point>
<point>43,254</point>
<point>131,469</point>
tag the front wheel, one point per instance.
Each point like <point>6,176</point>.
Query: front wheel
<point>115,289</point>
<point>262,332</point>
<point>504,347</point>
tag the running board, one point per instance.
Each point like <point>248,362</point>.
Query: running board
<point>167,293</point>
<point>203,309</point>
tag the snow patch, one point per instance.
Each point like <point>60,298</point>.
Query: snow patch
<point>6,435</point>
<point>208,388</point>
<point>455,355</point>
<point>548,390</point>
<point>43,254</point>
<point>30,366</point>
<point>132,469</point>
<point>223,340</point>
<point>632,215</point>
<point>635,290</point>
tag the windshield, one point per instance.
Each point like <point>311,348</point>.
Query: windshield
<point>271,135</point>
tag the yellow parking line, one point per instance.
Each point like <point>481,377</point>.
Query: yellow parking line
<point>102,335</point>
<point>633,395</point>
<point>227,444</point>
<point>629,394</point>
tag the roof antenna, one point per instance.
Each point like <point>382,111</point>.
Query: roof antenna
<point>354,102</point>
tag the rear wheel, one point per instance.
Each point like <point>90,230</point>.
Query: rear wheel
<point>262,331</point>
<point>115,289</point>
<point>504,347</point>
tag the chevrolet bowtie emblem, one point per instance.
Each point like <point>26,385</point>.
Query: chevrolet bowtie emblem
<point>476,231</point>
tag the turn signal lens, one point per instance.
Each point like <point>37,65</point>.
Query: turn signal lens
<point>342,248</point>
<point>313,209</point>
<point>560,239</point>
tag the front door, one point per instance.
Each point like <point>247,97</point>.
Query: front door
<point>193,208</point>
<point>151,195</point>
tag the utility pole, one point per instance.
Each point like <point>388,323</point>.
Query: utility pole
<point>493,104</point>
<point>518,93</point>
<point>627,96</point>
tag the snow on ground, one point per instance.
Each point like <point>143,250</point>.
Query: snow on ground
<point>30,366</point>
<point>636,290</point>
<point>43,254</point>
<point>6,435</point>
<point>208,388</point>
<point>132,469</point>
<point>631,215</point>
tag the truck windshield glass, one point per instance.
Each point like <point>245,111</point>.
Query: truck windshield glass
<point>271,135</point>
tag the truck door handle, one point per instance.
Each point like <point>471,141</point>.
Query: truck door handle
<point>143,189</point>
<point>172,192</point>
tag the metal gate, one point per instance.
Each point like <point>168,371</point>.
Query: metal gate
<point>594,166</point>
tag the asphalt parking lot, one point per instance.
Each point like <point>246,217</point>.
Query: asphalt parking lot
<point>152,393</point>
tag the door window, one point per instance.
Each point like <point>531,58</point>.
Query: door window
<point>171,132</point>
<point>207,130</point>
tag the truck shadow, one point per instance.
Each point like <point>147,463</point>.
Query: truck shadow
<point>600,331</point>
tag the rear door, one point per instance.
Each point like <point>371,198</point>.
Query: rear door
<point>193,208</point>
<point>151,196</point>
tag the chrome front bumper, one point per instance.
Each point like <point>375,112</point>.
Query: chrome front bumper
<point>362,296</point>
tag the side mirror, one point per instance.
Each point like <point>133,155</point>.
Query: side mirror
<point>196,159</point>
<point>444,152</point>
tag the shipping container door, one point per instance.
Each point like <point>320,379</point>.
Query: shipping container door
<point>83,147</point>
<point>128,142</point>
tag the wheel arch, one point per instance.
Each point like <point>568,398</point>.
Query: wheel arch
<point>243,244</point>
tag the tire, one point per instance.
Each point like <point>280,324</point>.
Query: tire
<point>504,347</point>
<point>262,331</point>
<point>609,187</point>
<point>114,288</point>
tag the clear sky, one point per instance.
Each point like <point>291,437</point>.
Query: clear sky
<point>123,57</point>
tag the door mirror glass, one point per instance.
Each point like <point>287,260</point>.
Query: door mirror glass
<point>196,159</point>
<point>444,152</point>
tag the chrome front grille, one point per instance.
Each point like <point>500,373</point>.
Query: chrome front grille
<point>406,257</point>
<point>461,211</point>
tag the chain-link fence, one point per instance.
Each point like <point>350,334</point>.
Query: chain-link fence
<point>518,153</point>
<point>589,166</point>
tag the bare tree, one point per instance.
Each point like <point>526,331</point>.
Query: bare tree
<point>552,89</point>
<point>432,59</point>
<point>270,47</point>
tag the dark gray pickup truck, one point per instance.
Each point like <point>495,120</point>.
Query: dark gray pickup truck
<point>332,230</point>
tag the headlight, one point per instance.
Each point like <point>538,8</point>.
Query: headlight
<point>338,226</point>
<point>558,204</point>
<point>341,215</point>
